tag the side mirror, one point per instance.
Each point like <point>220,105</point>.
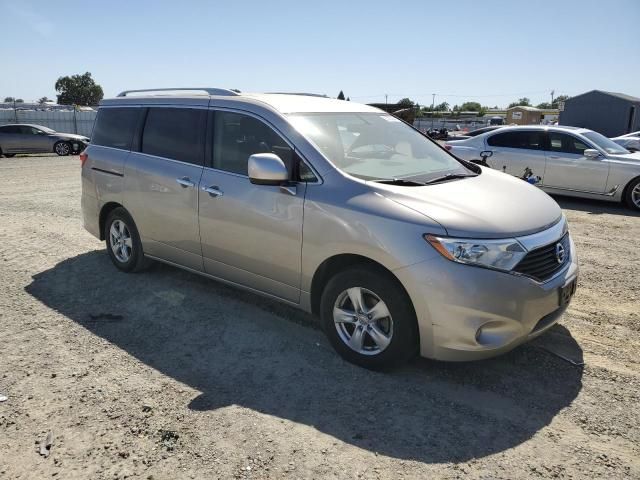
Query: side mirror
<point>591,153</point>
<point>486,154</point>
<point>267,169</point>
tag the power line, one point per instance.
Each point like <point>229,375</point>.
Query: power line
<point>538,92</point>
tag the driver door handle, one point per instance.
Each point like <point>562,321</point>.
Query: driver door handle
<point>213,191</point>
<point>185,182</point>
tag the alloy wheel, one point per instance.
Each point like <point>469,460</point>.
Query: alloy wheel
<point>363,321</point>
<point>120,241</point>
<point>635,195</point>
<point>62,148</point>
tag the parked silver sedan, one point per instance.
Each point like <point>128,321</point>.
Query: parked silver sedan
<point>560,160</point>
<point>28,138</point>
<point>630,141</point>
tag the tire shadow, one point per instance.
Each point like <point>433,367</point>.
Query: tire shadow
<point>238,348</point>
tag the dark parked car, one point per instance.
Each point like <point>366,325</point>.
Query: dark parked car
<point>26,138</point>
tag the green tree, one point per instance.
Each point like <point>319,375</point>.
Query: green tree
<point>9,99</point>
<point>19,100</point>
<point>470,107</point>
<point>78,90</point>
<point>406,102</point>
<point>544,105</point>
<point>341,95</point>
<point>558,99</point>
<point>44,100</point>
<point>522,102</point>
<point>441,107</point>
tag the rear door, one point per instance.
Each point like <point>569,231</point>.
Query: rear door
<point>568,168</point>
<point>251,234</point>
<point>162,177</point>
<point>518,152</point>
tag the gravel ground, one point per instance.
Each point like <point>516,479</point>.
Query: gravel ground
<point>166,375</point>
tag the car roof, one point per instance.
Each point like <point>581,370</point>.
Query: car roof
<point>284,103</point>
<point>548,128</point>
<point>24,125</point>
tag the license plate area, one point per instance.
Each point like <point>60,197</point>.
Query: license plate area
<point>567,292</point>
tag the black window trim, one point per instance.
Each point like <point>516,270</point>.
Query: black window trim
<point>137,139</point>
<point>210,132</point>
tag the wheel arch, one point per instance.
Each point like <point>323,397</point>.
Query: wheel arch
<point>106,209</point>
<point>625,190</point>
<point>336,263</point>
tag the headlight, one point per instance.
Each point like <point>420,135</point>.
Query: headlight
<point>502,254</point>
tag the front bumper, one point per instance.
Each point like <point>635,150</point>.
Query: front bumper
<point>452,301</point>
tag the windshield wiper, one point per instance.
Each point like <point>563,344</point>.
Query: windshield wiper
<point>400,181</point>
<point>449,176</point>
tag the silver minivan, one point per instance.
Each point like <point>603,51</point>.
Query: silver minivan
<point>336,208</point>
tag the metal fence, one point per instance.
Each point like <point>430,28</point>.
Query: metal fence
<point>59,118</point>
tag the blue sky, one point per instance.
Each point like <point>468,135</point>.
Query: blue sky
<point>488,51</point>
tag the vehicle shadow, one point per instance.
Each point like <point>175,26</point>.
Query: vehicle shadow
<point>238,348</point>
<point>595,207</point>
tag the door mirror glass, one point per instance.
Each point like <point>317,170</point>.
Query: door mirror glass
<point>591,153</point>
<point>267,169</point>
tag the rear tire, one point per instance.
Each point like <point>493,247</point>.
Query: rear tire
<point>369,318</point>
<point>632,194</point>
<point>9,155</point>
<point>123,242</point>
<point>62,148</point>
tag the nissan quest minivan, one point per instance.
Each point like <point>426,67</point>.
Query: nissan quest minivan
<point>334,207</point>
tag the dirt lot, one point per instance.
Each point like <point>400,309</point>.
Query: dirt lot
<point>167,375</point>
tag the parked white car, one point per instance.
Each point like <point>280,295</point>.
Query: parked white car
<point>630,141</point>
<point>561,160</point>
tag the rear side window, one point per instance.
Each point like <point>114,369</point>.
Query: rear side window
<point>10,129</point>
<point>115,127</point>
<point>175,133</point>
<point>530,140</point>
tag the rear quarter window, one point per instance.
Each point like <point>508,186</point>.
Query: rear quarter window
<point>115,127</point>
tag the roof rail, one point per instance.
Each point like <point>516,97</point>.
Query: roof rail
<point>299,93</point>
<point>209,91</point>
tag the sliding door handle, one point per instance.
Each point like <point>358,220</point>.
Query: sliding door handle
<point>213,191</point>
<point>185,182</point>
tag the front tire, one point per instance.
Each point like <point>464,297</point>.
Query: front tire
<point>62,148</point>
<point>123,242</point>
<point>9,155</point>
<point>632,196</point>
<point>369,318</point>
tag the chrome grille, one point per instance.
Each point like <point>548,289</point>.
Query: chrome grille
<point>542,263</point>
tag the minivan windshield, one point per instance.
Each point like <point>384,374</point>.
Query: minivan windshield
<point>605,144</point>
<point>377,146</point>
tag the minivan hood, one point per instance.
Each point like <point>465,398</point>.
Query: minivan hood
<point>491,205</point>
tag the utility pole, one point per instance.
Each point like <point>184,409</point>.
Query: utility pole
<point>385,99</point>
<point>552,92</point>
<point>433,104</point>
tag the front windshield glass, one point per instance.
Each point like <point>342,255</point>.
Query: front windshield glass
<point>605,144</point>
<point>376,146</point>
